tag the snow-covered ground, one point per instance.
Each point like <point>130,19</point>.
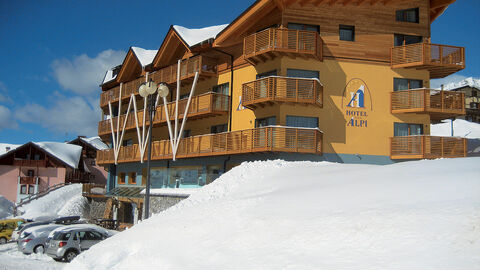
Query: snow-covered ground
<point>305,215</point>
<point>11,258</point>
<point>6,207</point>
<point>461,128</point>
<point>65,201</point>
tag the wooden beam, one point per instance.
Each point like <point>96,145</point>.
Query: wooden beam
<point>440,3</point>
<point>317,3</point>
<point>289,3</point>
<point>346,2</point>
<point>360,2</point>
<point>332,2</point>
<point>304,2</point>
<point>280,5</point>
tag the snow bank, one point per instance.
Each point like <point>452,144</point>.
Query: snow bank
<point>195,36</point>
<point>68,153</point>
<point>461,128</point>
<point>144,56</point>
<point>306,215</point>
<point>65,201</point>
<point>6,207</point>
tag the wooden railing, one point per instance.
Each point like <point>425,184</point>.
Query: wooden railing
<point>440,60</point>
<point>282,89</point>
<point>428,147</point>
<point>29,162</point>
<point>28,180</point>
<point>77,176</point>
<point>265,139</point>
<point>441,104</point>
<point>206,66</point>
<point>283,40</point>
<point>204,104</point>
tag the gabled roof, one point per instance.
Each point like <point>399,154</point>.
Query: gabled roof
<point>180,39</point>
<point>94,142</point>
<point>67,154</point>
<point>111,74</point>
<point>135,61</point>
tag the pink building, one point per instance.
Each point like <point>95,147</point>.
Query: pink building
<point>34,167</point>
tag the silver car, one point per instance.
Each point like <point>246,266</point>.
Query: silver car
<point>33,240</point>
<point>66,243</point>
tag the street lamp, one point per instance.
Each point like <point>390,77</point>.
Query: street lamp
<point>147,90</point>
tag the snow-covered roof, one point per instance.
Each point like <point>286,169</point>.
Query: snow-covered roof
<point>95,142</point>
<point>109,76</point>
<point>471,82</point>
<point>195,36</point>
<point>5,146</point>
<point>68,153</point>
<point>461,128</point>
<point>144,56</point>
<point>171,191</point>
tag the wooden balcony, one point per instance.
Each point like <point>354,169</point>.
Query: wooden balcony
<point>427,147</point>
<point>270,90</point>
<point>29,163</point>
<point>206,66</point>
<point>439,60</point>
<point>265,139</point>
<point>28,180</point>
<point>77,177</point>
<point>273,42</point>
<point>439,104</point>
<point>205,105</point>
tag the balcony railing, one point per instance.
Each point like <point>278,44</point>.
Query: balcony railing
<point>206,66</point>
<point>440,60</point>
<point>427,147</point>
<point>282,89</point>
<point>77,176</point>
<point>29,163</point>
<point>265,139</point>
<point>271,42</point>
<point>28,180</point>
<point>439,104</point>
<point>209,104</point>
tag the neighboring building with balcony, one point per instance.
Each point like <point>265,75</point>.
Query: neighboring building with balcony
<point>36,166</point>
<point>343,81</point>
<point>471,88</point>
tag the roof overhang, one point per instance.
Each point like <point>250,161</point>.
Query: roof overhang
<point>170,43</point>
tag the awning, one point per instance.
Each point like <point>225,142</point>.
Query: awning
<point>127,192</point>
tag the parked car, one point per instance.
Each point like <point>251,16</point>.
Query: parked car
<point>61,220</point>
<point>18,232</point>
<point>7,226</point>
<point>67,242</point>
<point>33,239</point>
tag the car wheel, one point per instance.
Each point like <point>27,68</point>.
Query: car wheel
<point>70,255</point>
<point>39,249</point>
<point>3,240</point>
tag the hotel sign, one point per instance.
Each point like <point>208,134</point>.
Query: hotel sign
<point>357,103</point>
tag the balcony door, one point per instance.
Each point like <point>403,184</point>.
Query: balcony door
<point>263,84</point>
<point>412,145</point>
<point>261,134</point>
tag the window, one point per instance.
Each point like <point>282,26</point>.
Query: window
<point>23,189</point>
<point>31,189</point>
<point>302,121</point>
<point>347,32</point>
<point>473,105</point>
<point>407,15</point>
<point>301,73</point>
<point>404,129</point>
<point>187,133</point>
<point>266,74</point>
<point>132,178</point>
<point>267,121</point>
<point>121,178</point>
<point>474,93</point>
<point>219,128</point>
<point>30,173</point>
<point>308,27</point>
<point>401,40</point>
<point>221,89</point>
<point>127,142</point>
<point>184,96</point>
<point>405,84</point>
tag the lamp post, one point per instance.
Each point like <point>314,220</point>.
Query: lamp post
<point>147,90</point>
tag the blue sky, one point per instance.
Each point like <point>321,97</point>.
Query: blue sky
<point>55,53</point>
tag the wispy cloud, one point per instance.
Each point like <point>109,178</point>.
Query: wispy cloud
<point>4,98</point>
<point>6,119</point>
<point>75,115</point>
<point>83,74</point>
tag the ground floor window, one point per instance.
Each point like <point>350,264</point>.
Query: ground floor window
<point>405,129</point>
<point>302,121</point>
<point>405,84</point>
<point>219,128</point>
<point>302,73</point>
<point>267,121</point>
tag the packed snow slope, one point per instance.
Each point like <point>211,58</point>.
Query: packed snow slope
<point>65,201</point>
<point>6,207</point>
<point>305,215</point>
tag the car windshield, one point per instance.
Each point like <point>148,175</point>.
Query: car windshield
<point>61,236</point>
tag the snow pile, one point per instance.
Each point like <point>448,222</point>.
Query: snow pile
<point>11,258</point>
<point>68,153</point>
<point>471,82</point>
<point>306,215</point>
<point>195,36</point>
<point>144,56</point>
<point>65,201</point>
<point>461,128</point>
<point>6,207</point>
<point>5,146</point>
<point>95,142</point>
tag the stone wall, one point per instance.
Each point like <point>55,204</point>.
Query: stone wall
<point>95,208</point>
<point>162,203</point>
